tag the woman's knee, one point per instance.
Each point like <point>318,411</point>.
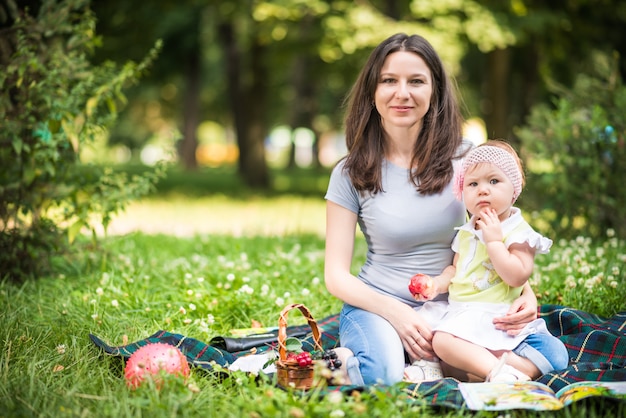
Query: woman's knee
<point>375,344</point>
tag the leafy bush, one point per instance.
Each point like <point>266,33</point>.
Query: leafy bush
<point>53,102</point>
<point>575,153</point>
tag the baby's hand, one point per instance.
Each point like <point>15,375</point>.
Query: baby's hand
<point>422,287</point>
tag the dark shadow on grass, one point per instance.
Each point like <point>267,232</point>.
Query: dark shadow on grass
<point>225,181</point>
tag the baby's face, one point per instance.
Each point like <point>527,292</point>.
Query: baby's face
<point>486,186</point>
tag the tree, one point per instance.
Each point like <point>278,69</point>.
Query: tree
<point>575,148</point>
<point>53,103</point>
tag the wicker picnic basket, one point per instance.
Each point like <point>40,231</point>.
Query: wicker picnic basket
<point>289,373</point>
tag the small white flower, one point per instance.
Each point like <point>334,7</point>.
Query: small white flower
<point>280,301</point>
<point>115,303</point>
<point>287,295</point>
<point>246,289</point>
<point>188,275</point>
<point>182,310</point>
<point>200,279</point>
<point>210,319</point>
<point>192,307</point>
<point>305,292</point>
<point>265,290</point>
<point>315,281</point>
<point>335,398</point>
<point>61,348</point>
<point>230,277</point>
<point>99,291</point>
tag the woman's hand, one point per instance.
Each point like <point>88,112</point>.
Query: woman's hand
<point>522,311</point>
<point>414,332</point>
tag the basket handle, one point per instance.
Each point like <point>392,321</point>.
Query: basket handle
<point>282,328</point>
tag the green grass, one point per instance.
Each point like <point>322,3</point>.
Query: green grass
<point>202,285</point>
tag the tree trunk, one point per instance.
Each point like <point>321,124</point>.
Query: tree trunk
<point>247,103</point>
<point>303,112</point>
<point>255,171</point>
<point>191,110</point>
<point>530,80</point>
<point>498,93</point>
<point>305,83</point>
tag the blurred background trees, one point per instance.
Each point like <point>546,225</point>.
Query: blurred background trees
<point>262,83</point>
<point>259,85</point>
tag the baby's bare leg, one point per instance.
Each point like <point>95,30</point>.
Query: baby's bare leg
<point>523,365</point>
<point>464,355</point>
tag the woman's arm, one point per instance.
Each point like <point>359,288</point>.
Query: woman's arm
<point>522,311</point>
<point>340,282</point>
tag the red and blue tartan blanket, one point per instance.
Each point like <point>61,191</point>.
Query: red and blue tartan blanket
<point>596,346</point>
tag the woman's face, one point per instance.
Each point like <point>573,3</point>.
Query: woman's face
<point>404,89</point>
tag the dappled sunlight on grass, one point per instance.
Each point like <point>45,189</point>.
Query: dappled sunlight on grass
<point>220,214</point>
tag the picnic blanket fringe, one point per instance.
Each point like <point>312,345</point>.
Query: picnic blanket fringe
<point>596,346</point>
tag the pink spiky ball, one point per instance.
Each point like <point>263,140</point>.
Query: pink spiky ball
<point>150,359</point>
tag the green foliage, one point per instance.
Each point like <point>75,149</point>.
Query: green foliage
<point>575,153</point>
<point>54,102</point>
<point>584,275</point>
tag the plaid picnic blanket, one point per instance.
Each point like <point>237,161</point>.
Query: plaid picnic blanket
<point>596,346</point>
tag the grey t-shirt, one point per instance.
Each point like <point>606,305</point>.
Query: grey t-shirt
<point>406,232</point>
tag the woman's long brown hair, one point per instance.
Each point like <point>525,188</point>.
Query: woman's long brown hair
<point>438,141</point>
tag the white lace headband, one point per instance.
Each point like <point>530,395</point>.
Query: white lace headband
<point>493,155</point>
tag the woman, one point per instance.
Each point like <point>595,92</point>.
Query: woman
<point>403,134</point>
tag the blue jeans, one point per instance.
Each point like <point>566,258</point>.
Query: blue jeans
<point>378,351</point>
<point>545,351</point>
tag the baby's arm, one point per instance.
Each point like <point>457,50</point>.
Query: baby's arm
<point>424,287</point>
<point>513,264</point>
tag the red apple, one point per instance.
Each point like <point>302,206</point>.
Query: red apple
<point>422,285</point>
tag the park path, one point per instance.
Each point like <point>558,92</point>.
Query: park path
<point>186,217</point>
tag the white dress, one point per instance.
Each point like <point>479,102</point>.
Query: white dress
<point>477,294</point>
